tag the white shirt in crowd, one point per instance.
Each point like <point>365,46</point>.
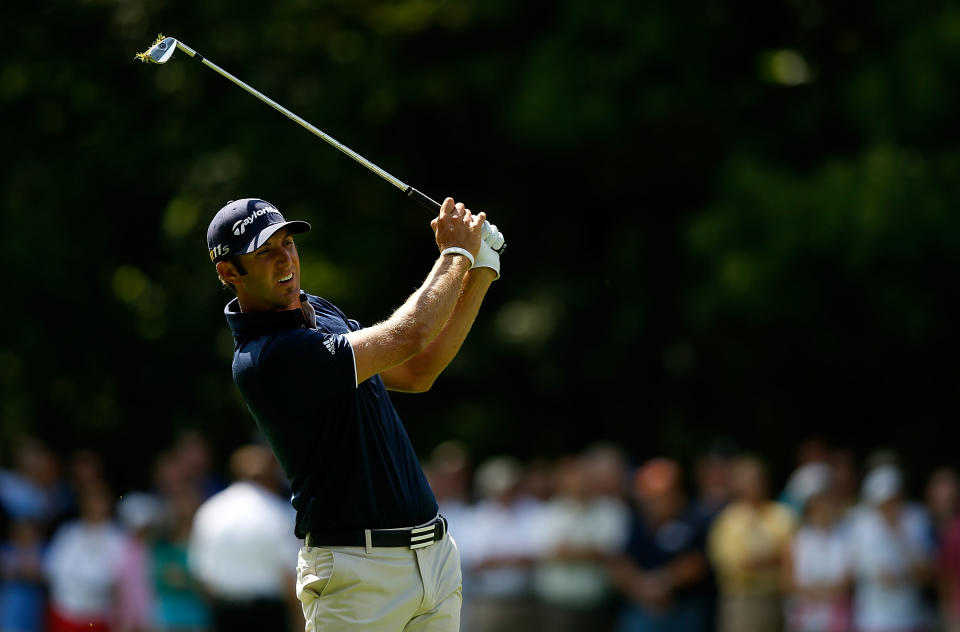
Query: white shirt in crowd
<point>82,567</point>
<point>877,549</point>
<point>820,556</point>
<point>599,524</point>
<point>496,531</point>
<point>242,545</point>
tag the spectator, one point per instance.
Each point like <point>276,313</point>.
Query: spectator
<point>22,592</point>
<point>139,513</point>
<point>713,494</point>
<point>170,480</point>
<point>746,545</point>
<point>817,562</point>
<point>713,480</point>
<point>606,470</point>
<point>449,475</point>
<point>82,566</point>
<point>86,470</point>
<point>891,547</point>
<point>582,526</point>
<point>812,452</point>
<point>33,490</point>
<point>943,498</point>
<point>243,550</point>
<point>538,480</point>
<point>192,453</point>
<point>44,470</point>
<point>663,572</point>
<point>497,558</point>
<point>4,520</point>
<point>949,577</point>
<point>179,605</point>
<point>845,485</point>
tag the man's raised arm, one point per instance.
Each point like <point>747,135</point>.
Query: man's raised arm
<point>414,325</point>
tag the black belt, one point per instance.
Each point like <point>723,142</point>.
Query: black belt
<point>415,538</point>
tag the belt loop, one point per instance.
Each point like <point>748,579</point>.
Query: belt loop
<point>368,539</point>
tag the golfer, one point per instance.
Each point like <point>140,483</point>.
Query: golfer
<point>377,555</point>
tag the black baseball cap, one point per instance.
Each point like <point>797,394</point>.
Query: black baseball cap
<point>244,225</point>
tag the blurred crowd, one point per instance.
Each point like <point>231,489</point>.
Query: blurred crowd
<point>194,553</point>
<point>593,542</point>
<point>585,542</point>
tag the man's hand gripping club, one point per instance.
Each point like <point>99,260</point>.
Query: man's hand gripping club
<point>452,230</point>
<point>486,256</point>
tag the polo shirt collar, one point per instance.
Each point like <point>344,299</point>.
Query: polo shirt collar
<point>253,324</point>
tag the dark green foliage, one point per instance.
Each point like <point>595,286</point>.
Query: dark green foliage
<point>723,218</point>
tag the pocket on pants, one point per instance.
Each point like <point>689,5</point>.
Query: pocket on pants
<point>452,573</point>
<point>315,568</point>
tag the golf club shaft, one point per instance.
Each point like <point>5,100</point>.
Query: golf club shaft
<point>421,198</point>
<point>305,124</point>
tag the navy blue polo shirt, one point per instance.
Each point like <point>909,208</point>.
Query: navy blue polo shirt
<point>341,445</point>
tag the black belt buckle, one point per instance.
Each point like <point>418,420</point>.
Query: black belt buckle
<point>422,537</point>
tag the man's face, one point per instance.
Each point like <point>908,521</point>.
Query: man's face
<point>272,281</point>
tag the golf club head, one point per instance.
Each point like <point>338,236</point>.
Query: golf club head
<point>161,52</point>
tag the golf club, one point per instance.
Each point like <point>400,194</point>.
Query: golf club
<point>162,50</point>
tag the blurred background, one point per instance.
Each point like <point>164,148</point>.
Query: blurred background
<point>732,230</point>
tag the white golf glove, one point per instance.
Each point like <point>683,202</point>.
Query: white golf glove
<point>487,257</point>
<point>492,236</point>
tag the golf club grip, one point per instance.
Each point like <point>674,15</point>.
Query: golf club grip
<point>423,200</point>
<point>432,205</point>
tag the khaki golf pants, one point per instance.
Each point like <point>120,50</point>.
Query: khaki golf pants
<point>381,589</point>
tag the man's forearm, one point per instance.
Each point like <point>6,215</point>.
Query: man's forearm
<point>419,372</point>
<point>429,308</point>
<point>415,324</point>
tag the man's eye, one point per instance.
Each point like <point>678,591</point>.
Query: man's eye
<point>263,252</point>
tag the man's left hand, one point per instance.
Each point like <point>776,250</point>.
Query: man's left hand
<point>487,257</point>
<point>493,237</point>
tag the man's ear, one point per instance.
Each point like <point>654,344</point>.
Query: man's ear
<point>228,272</point>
